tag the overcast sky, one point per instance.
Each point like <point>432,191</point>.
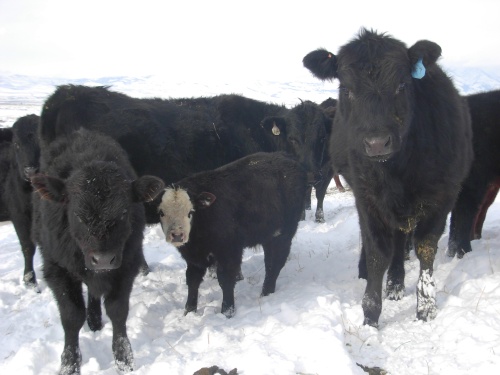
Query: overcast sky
<point>227,39</point>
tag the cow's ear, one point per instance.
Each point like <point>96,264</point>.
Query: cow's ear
<point>204,200</point>
<point>50,188</point>
<point>146,188</point>
<point>426,51</point>
<point>274,125</point>
<point>330,111</point>
<point>321,63</point>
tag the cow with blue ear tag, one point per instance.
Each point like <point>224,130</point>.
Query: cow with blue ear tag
<point>402,139</point>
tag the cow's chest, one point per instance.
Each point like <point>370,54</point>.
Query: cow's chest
<point>390,199</point>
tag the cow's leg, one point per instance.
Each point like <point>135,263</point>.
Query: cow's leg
<point>395,286</point>
<point>378,250</point>
<point>276,253</point>
<point>194,277</point>
<point>362,271</point>
<point>338,184</point>
<point>488,200</point>
<point>22,225</point>
<point>144,267</point>
<point>321,188</point>
<point>426,237</point>
<point>68,294</point>
<point>307,201</point>
<point>408,245</point>
<point>227,273</point>
<point>462,218</point>
<point>117,305</point>
<point>94,313</point>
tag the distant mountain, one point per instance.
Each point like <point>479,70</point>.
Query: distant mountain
<point>472,80</point>
<point>15,89</point>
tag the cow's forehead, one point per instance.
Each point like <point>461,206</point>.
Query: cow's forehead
<point>372,58</point>
<point>307,115</point>
<point>102,188</point>
<point>175,203</point>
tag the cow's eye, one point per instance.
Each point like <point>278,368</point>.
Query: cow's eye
<point>293,141</point>
<point>161,213</point>
<point>401,87</point>
<point>123,214</point>
<point>346,92</point>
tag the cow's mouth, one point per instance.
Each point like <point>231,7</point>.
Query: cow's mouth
<point>380,158</point>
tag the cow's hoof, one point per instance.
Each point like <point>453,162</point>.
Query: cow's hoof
<point>29,280</point>
<point>395,292</point>
<point>124,357</point>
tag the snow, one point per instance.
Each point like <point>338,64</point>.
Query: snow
<point>312,324</point>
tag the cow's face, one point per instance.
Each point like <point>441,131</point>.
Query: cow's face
<point>377,89</point>
<point>25,146</point>
<point>302,134</point>
<point>176,213</point>
<point>99,202</point>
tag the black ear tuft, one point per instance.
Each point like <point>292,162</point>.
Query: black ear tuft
<point>428,51</point>
<point>321,63</point>
<point>146,188</point>
<point>49,188</point>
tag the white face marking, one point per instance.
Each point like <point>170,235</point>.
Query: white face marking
<point>175,216</point>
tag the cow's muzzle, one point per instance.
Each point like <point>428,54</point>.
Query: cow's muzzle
<point>379,148</point>
<point>95,260</point>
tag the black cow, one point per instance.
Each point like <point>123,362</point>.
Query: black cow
<point>89,222</point>
<point>175,138</point>
<point>19,160</point>
<point>329,106</point>
<point>213,215</point>
<point>481,186</point>
<point>402,139</point>
<point>5,143</point>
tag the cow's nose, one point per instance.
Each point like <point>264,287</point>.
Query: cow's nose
<point>103,261</point>
<point>378,146</point>
<point>176,237</point>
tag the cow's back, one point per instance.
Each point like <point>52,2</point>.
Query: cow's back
<point>258,197</point>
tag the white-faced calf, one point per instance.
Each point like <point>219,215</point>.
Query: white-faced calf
<point>212,216</point>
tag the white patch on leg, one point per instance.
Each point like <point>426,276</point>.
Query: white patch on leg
<point>426,297</point>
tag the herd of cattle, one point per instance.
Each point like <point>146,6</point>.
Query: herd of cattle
<point>224,173</point>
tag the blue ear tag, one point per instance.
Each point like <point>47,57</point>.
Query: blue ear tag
<point>418,71</point>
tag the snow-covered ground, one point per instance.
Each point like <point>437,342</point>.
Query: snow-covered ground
<point>311,325</point>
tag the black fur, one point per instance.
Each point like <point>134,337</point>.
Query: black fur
<point>481,186</point>
<point>19,160</point>
<point>89,222</point>
<point>329,106</point>
<point>258,200</point>
<point>404,146</point>
<point>175,138</point>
